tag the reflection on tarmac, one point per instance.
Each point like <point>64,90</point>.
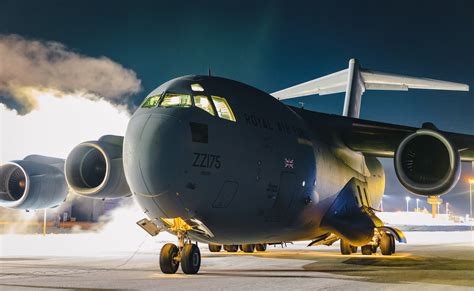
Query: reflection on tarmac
<point>398,268</point>
<point>418,266</point>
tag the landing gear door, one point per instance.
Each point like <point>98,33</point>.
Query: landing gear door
<point>284,197</point>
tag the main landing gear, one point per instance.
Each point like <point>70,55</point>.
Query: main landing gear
<point>385,240</point>
<point>246,248</point>
<point>187,254</point>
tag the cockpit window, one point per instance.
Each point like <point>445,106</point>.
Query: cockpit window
<point>151,101</point>
<point>178,100</point>
<point>223,108</point>
<point>203,103</point>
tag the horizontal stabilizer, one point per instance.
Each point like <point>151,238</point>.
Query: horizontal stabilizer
<point>383,81</point>
<point>330,84</point>
<point>354,81</point>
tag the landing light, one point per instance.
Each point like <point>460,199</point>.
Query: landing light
<point>197,88</point>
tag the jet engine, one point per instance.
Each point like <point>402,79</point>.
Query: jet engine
<point>427,163</point>
<point>95,169</point>
<point>35,182</point>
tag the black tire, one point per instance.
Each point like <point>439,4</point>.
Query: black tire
<point>190,259</point>
<point>345,247</point>
<point>261,247</point>
<point>248,248</point>
<point>392,238</point>
<point>231,248</point>
<point>214,248</point>
<point>374,249</point>
<point>168,262</point>
<point>366,250</point>
<point>387,243</point>
<point>354,249</point>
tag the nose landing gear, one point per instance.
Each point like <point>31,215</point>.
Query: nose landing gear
<point>189,257</point>
<point>187,254</point>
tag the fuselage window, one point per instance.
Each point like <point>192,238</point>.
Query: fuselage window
<point>203,103</point>
<point>176,100</point>
<point>223,108</point>
<point>151,101</point>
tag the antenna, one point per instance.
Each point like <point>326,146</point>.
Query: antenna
<point>209,71</point>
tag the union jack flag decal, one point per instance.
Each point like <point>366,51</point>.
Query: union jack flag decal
<point>289,163</point>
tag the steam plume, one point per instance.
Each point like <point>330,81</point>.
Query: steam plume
<point>28,66</point>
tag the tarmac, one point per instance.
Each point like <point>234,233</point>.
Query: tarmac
<point>427,263</point>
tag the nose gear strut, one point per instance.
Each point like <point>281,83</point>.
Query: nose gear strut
<point>186,253</point>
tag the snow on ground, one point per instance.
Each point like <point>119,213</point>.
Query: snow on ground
<point>415,218</point>
<point>105,244</point>
<point>122,235</point>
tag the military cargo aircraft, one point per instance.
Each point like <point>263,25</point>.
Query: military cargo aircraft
<point>216,161</point>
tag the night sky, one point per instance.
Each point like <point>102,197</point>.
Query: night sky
<point>275,44</point>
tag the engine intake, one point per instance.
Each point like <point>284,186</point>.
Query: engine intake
<point>95,169</point>
<point>427,163</point>
<point>33,183</point>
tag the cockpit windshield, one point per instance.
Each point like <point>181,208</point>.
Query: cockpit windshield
<point>210,104</point>
<point>179,100</point>
<point>223,108</point>
<point>203,102</point>
<point>151,101</point>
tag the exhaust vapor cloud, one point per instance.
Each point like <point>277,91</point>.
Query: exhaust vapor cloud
<point>28,66</point>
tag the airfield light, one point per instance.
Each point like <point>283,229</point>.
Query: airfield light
<point>408,200</point>
<point>471,182</point>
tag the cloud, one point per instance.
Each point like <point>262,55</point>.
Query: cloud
<point>28,66</point>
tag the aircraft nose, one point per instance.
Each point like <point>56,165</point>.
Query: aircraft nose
<point>153,153</point>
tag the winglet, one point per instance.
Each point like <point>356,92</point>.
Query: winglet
<point>354,81</point>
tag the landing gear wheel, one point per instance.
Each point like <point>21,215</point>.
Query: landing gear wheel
<point>169,262</point>
<point>366,250</point>
<point>261,247</point>
<point>353,249</point>
<point>214,248</point>
<point>387,244</point>
<point>248,248</point>
<point>392,238</point>
<point>231,248</point>
<point>346,248</point>
<point>374,249</point>
<point>190,259</point>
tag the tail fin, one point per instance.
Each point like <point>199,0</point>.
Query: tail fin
<point>354,81</point>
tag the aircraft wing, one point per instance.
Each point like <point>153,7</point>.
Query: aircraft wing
<point>374,138</point>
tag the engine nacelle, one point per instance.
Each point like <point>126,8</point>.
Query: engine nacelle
<point>35,182</point>
<point>95,168</point>
<point>427,163</point>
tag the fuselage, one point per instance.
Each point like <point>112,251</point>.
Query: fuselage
<point>262,172</point>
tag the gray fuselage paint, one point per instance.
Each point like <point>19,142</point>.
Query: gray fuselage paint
<point>284,174</point>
